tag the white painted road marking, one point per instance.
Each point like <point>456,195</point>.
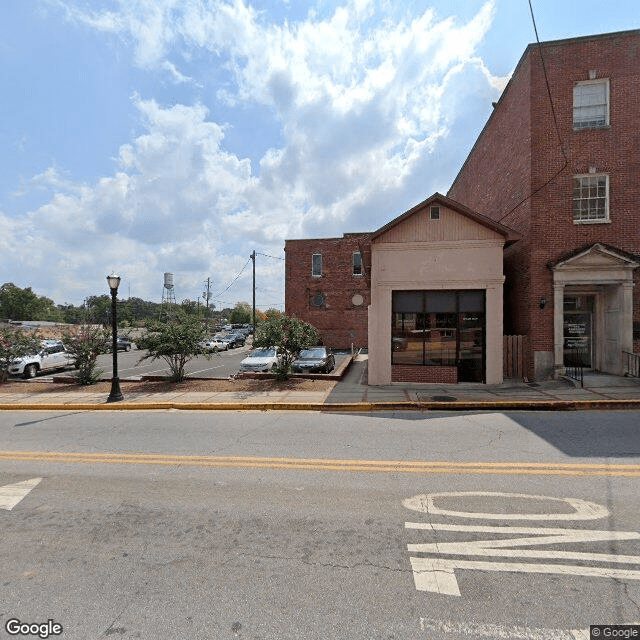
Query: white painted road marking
<point>541,536</point>
<point>442,627</point>
<point>12,494</point>
<point>437,574</point>
<point>583,510</point>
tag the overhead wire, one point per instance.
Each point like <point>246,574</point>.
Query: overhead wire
<point>555,122</point>
<point>234,280</point>
<point>217,296</point>
<point>268,256</point>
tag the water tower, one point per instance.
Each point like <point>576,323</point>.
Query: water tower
<point>168,293</point>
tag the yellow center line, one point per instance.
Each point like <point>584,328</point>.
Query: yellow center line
<point>320,464</point>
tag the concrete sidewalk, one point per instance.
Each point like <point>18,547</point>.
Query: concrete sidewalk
<point>352,393</point>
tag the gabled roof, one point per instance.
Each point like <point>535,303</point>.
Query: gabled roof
<point>510,236</point>
<point>612,253</point>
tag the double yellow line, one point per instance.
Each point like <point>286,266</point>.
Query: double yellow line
<point>320,464</point>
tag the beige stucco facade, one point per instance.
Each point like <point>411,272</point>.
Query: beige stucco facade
<point>457,251</point>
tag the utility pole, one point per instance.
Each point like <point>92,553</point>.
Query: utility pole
<point>253,257</point>
<point>207,296</point>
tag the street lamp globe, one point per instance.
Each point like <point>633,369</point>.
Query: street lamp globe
<point>114,281</point>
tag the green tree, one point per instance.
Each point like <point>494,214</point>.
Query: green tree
<point>15,344</point>
<point>194,308</point>
<point>136,310</point>
<point>24,304</point>
<point>176,340</point>
<point>72,314</point>
<point>86,345</point>
<point>289,334</point>
<point>98,309</point>
<point>242,313</point>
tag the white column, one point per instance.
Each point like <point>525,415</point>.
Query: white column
<point>558,323</point>
<point>494,331</point>
<point>626,317</point>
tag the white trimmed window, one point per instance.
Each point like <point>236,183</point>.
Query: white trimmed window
<point>316,265</point>
<point>357,263</point>
<point>591,198</point>
<point>591,104</point>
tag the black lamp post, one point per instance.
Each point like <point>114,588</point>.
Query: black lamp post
<point>116,394</point>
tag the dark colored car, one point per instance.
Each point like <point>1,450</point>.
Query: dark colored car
<point>314,360</point>
<point>123,343</point>
<point>236,340</point>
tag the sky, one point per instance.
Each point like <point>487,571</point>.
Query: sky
<point>141,137</point>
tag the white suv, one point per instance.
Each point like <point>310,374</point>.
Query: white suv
<point>53,355</point>
<point>261,360</point>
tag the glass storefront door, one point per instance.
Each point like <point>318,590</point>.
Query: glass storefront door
<point>578,329</point>
<point>440,328</point>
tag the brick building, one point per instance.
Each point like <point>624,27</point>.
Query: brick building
<point>424,293</point>
<point>559,162</point>
<point>556,169</point>
<point>328,283</point>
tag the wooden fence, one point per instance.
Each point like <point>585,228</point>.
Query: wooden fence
<point>514,357</point>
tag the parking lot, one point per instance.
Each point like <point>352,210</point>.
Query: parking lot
<point>220,365</point>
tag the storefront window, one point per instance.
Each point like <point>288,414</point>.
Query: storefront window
<point>439,328</point>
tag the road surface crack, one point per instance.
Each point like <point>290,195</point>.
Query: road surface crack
<point>333,565</point>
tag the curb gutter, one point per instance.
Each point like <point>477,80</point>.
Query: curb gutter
<point>532,405</point>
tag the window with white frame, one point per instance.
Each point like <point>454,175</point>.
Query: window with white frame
<point>591,104</point>
<point>357,263</point>
<point>591,198</point>
<point>316,264</point>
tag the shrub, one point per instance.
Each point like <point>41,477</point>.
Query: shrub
<point>86,345</point>
<point>176,340</point>
<point>15,344</point>
<point>289,334</point>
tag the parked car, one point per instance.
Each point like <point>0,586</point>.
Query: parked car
<point>213,344</point>
<point>53,355</point>
<point>123,343</point>
<point>314,360</point>
<point>261,360</point>
<point>236,340</point>
<point>227,342</point>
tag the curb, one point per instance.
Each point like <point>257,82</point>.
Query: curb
<point>366,407</point>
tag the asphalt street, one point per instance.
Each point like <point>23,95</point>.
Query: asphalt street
<point>304,525</point>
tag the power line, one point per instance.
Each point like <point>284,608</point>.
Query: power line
<point>268,256</point>
<point>234,280</point>
<point>555,122</point>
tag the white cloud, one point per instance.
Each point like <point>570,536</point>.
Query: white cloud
<point>364,102</point>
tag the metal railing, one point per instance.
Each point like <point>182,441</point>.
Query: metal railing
<point>575,362</point>
<point>631,363</point>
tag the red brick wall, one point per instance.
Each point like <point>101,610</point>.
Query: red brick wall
<point>496,180</point>
<point>519,153</point>
<point>339,321</point>
<point>408,373</point>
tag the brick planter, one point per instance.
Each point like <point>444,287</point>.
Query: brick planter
<point>409,373</point>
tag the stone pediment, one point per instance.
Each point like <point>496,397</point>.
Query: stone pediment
<point>596,258</point>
